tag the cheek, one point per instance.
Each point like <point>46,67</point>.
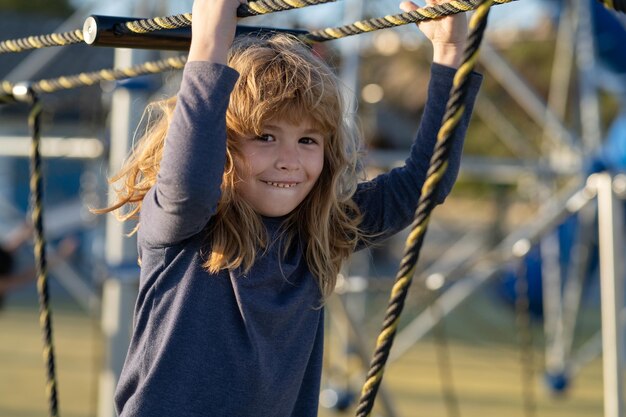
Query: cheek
<point>249,160</point>
<point>240,167</point>
<point>317,165</point>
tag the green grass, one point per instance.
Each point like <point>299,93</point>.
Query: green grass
<point>486,376</point>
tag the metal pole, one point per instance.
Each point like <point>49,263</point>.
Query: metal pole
<point>558,95</point>
<point>585,60</point>
<point>552,303</point>
<point>109,31</point>
<point>576,275</point>
<point>514,245</point>
<point>53,147</point>
<point>120,289</point>
<point>524,95</point>
<point>610,217</point>
<point>503,128</point>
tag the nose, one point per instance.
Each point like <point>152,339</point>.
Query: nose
<point>288,157</point>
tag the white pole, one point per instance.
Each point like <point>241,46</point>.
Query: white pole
<point>120,289</point>
<point>610,215</point>
<point>585,60</point>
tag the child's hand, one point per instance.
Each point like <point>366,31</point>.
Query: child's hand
<point>448,35</point>
<point>213,29</point>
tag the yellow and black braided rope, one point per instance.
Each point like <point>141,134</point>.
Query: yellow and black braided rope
<point>42,41</point>
<point>159,23</point>
<point>6,92</point>
<point>438,166</point>
<point>91,78</point>
<point>270,6</point>
<point>45,315</point>
<point>415,16</point>
<point>253,8</point>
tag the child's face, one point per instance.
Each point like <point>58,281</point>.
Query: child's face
<point>280,167</point>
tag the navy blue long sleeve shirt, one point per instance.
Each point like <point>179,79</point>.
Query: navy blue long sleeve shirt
<point>231,344</point>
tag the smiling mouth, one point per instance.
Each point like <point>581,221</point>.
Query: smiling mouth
<point>281,184</point>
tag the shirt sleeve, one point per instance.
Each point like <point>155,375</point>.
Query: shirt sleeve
<point>389,201</point>
<point>187,189</point>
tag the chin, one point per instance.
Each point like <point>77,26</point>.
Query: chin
<point>274,213</point>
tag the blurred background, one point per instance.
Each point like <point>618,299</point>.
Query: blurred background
<point>504,316</point>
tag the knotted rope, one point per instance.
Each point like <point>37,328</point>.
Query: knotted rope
<point>438,165</point>
<point>253,8</point>
<point>414,16</point>
<point>42,41</point>
<point>245,10</point>
<point>153,67</point>
<point>91,78</point>
<point>36,190</point>
<point>270,6</point>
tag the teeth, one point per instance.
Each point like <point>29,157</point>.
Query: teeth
<point>280,184</point>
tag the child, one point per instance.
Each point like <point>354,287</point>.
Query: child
<point>248,203</point>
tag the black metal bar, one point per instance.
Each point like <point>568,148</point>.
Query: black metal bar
<point>110,31</point>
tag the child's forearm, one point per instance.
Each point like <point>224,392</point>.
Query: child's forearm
<point>213,30</point>
<point>208,51</point>
<point>450,55</point>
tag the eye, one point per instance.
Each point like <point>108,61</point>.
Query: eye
<point>265,138</point>
<point>308,140</point>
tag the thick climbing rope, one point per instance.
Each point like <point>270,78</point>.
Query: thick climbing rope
<point>438,165</point>
<point>415,16</point>
<point>270,6</point>
<point>253,8</point>
<point>153,67</point>
<point>42,41</point>
<point>36,190</point>
<point>91,78</point>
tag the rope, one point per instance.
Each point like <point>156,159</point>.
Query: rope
<point>42,41</point>
<point>254,8</point>
<point>415,16</point>
<point>438,165</point>
<point>36,190</point>
<point>153,67</point>
<point>270,6</point>
<point>245,10</point>
<point>91,78</point>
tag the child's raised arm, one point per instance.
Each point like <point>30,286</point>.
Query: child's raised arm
<point>213,29</point>
<point>389,201</point>
<point>187,189</point>
<point>447,35</point>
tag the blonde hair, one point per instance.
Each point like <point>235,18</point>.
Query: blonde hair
<point>280,79</point>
